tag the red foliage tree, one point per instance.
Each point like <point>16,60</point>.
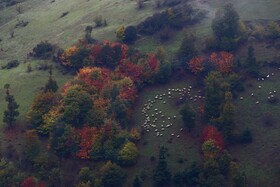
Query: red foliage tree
<point>86,134</point>
<point>130,70</point>
<point>95,51</point>
<point>29,182</point>
<point>223,61</point>
<point>97,77</point>
<point>211,132</point>
<point>196,64</point>
<point>153,62</point>
<point>128,93</point>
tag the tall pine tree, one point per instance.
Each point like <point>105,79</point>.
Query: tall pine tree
<point>51,85</point>
<point>227,117</point>
<point>11,112</point>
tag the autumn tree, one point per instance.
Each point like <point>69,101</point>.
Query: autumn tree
<point>41,105</point>
<point>223,61</point>
<point>211,133</point>
<point>196,65</point>
<point>188,116</point>
<point>11,112</point>
<point>29,182</point>
<point>120,33</point>
<point>128,154</point>
<point>86,134</point>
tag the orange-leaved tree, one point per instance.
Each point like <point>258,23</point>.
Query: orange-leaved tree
<point>196,64</point>
<point>223,61</point>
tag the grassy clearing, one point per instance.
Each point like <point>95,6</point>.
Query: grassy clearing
<point>259,159</point>
<point>185,148</point>
<point>45,24</point>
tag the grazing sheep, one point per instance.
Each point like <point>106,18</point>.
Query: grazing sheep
<point>257,102</point>
<point>241,98</point>
<point>178,136</point>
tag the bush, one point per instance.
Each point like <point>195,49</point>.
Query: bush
<point>140,4</point>
<point>246,136</point>
<point>268,119</point>
<point>21,23</point>
<point>43,50</point>
<point>11,64</point>
<point>165,34</point>
<point>98,20</point>
<point>130,34</point>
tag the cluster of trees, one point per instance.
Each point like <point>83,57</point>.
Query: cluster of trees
<point>141,68</point>
<point>89,118</point>
<point>229,30</point>
<point>222,61</point>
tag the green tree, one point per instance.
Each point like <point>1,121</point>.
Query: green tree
<point>130,34</point>
<point>227,28</point>
<point>85,175</point>
<point>11,112</point>
<point>32,143</point>
<point>240,180</point>
<point>227,117</point>
<point>251,63</point>
<point>112,175</point>
<point>136,182</point>
<point>162,175</point>
<point>188,116</point>
<point>41,105</point>
<point>224,163</point>
<point>76,106</point>
<point>273,30</point>
<point>214,95</point>
<point>51,85</point>
<point>187,50</point>
<point>128,154</point>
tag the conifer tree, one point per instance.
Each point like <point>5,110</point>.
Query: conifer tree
<point>227,117</point>
<point>11,113</point>
<point>51,85</point>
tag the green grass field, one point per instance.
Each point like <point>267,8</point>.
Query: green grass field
<point>186,147</point>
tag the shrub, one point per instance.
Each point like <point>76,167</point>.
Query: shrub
<point>98,20</point>
<point>11,64</point>
<point>246,136</point>
<point>130,34</point>
<point>165,34</point>
<point>268,119</point>
<point>21,23</point>
<point>43,50</point>
<point>64,14</point>
<point>140,4</point>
